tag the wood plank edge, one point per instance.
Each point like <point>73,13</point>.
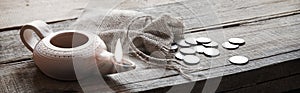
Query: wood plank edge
<point>241,22</point>
<point>201,79</point>
<point>17,27</point>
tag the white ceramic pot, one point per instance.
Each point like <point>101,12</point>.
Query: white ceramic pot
<point>55,52</point>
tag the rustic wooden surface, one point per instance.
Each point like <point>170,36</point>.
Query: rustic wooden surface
<point>270,27</point>
<point>13,11</point>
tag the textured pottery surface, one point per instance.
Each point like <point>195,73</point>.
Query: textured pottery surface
<point>55,52</point>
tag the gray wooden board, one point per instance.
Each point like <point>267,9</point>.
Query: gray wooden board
<point>264,39</point>
<point>261,80</point>
<point>265,29</point>
<point>205,14</point>
<point>18,12</point>
<point>15,13</point>
<point>224,71</point>
<point>24,77</point>
<point>270,31</point>
<point>276,86</point>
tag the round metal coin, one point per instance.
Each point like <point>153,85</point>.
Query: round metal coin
<point>182,43</point>
<point>187,51</point>
<point>237,41</point>
<point>179,56</point>
<point>211,52</point>
<point>212,44</point>
<point>239,60</point>
<point>199,49</point>
<point>191,59</point>
<point>174,48</point>
<point>230,46</point>
<point>191,41</point>
<point>203,40</point>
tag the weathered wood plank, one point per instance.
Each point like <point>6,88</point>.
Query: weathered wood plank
<point>24,77</point>
<point>15,13</point>
<point>207,14</point>
<point>255,28</point>
<point>276,86</point>
<point>271,31</point>
<point>264,39</point>
<point>224,72</point>
<point>261,80</point>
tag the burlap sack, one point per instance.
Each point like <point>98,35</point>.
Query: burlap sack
<point>148,33</point>
<point>142,34</point>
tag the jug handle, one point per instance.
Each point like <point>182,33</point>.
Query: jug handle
<point>38,27</point>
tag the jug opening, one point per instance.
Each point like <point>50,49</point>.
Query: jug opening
<point>69,40</point>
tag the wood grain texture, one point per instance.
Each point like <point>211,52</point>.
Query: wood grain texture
<point>208,14</point>
<point>270,28</point>
<point>24,77</point>
<point>275,86</point>
<point>16,13</point>
<point>259,36</point>
<point>222,72</point>
<point>264,39</point>
<point>260,80</point>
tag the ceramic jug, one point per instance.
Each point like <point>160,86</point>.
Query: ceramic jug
<point>55,52</point>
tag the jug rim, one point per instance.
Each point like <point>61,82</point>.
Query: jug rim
<point>90,40</point>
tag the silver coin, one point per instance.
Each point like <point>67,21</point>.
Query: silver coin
<point>237,41</point>
<point>179,56</point>
<point>211,52</point>
<point>191,41</point>
<point>229,46</point>
<point>212,44</point>
<point>239,60</point>
<point>203,40</point>
<point>199,49</point>
<point>187,51</point>
<point>191,59</point>
<point>174,48</point>
<point>182,43</point>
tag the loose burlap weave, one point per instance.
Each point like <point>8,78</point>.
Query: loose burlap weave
<point>141,34</point>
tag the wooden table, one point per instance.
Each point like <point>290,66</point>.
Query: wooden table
<point>271,29</point>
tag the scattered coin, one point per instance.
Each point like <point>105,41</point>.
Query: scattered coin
<point>203,40</point>
<point>191,41</point>
<point>199,49</point>
<point>174,48</point>
<point>211,52</point>
<point>212,44</point>
<point>182,43</point>
<point>239,60</point>
<point>237,41</point>
<point>179,56</point>
<point>229,46</point>
<point>187,51</point>
<point>191,59</point>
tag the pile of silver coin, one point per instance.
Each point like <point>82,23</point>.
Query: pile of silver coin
<point>186,49</point>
